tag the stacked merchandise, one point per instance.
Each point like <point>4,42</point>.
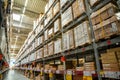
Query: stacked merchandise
<point>110,60</point>
<point>105,22</point>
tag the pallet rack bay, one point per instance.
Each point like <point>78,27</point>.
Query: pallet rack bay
<point>83,55</point>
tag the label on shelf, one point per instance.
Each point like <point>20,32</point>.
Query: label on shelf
<point>111,74</point>
<point>87,73</point>
<point>69,72</point>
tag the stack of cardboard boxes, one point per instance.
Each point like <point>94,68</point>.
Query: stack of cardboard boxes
<point>105,22</point>
<point>110,60</point>
<point>78,8</point>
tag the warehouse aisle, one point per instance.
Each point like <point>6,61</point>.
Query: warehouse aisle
<point>14,75</point>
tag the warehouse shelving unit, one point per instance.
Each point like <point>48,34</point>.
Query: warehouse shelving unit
<point>76,53</point>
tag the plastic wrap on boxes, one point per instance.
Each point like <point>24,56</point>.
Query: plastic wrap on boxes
<point>56,8</point>
<point>82,34</point>
<point>67,17</point>
<point>57,25</point>
<point>51,48</point>
<point>78,8</point>
<point>57,46</point>
<point>46,35</point>
<point>46,51</point>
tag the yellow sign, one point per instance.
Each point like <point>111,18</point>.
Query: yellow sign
<point>68,77</point>
<point>50,75</point>
<point>87,77</point>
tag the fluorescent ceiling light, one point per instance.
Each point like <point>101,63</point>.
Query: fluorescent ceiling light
<point>16,17</point>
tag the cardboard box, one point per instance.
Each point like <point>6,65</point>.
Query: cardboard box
<point>65,41</point>
<point>46,51</point>
<point>111,69</point>
<point>107,61</point>
<point>76,9</point>
<point>50,32</point>
<point>40,53</point>
<point>66,17</point>
<point>82,34</point>
<point>56,8</point>
<point>79,68</point>
<point>60,67</point>
<point>57,25</point>
<point>58,46</point>
<point>71,39</point>
<point>46,35</point>
<point>110,65</point>
<point>51,48</point>
<point>118,54</point>
<point>63,2</point>
<point>47,67</point>
<point>113,49</point>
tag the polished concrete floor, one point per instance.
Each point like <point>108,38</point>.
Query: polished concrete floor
<point>14,75</point>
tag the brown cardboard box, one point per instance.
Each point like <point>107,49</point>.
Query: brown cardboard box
<point>118,54</point>
<point>110,65</point>
<point>57,25</point>
<point>113,49</point>
<point>60,67</point>
<point>76,9</point>
<point>71,39</point>
<point>46,51</point>
<point>111,69</point>
<point>57,46</point>
<point>66,17</point>
<point>51,48</point>
<point>65,41</point>
<point>107,61</point>
<point>56,8</point>
<point>80,68</point>
<point>47,67</point>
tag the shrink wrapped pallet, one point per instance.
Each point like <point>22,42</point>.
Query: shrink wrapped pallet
<point>40,53</point>
<point>40,40</point>
<point>63,2</point>
<point>82,34</point>
<point>68,40</point>
<point>50,32</point>
<point>78,8</point>
<point>46,51</point>
<point>51,48</point>
<point>46,21</point>
<point>57,46</point>
<point>66,17</point>
<point>46,35</point>
<point>57,25</point>
<point>56,8</point>
<point>65,41</point>
<point>104,13</point>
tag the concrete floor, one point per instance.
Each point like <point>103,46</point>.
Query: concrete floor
<point>14,75</point>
